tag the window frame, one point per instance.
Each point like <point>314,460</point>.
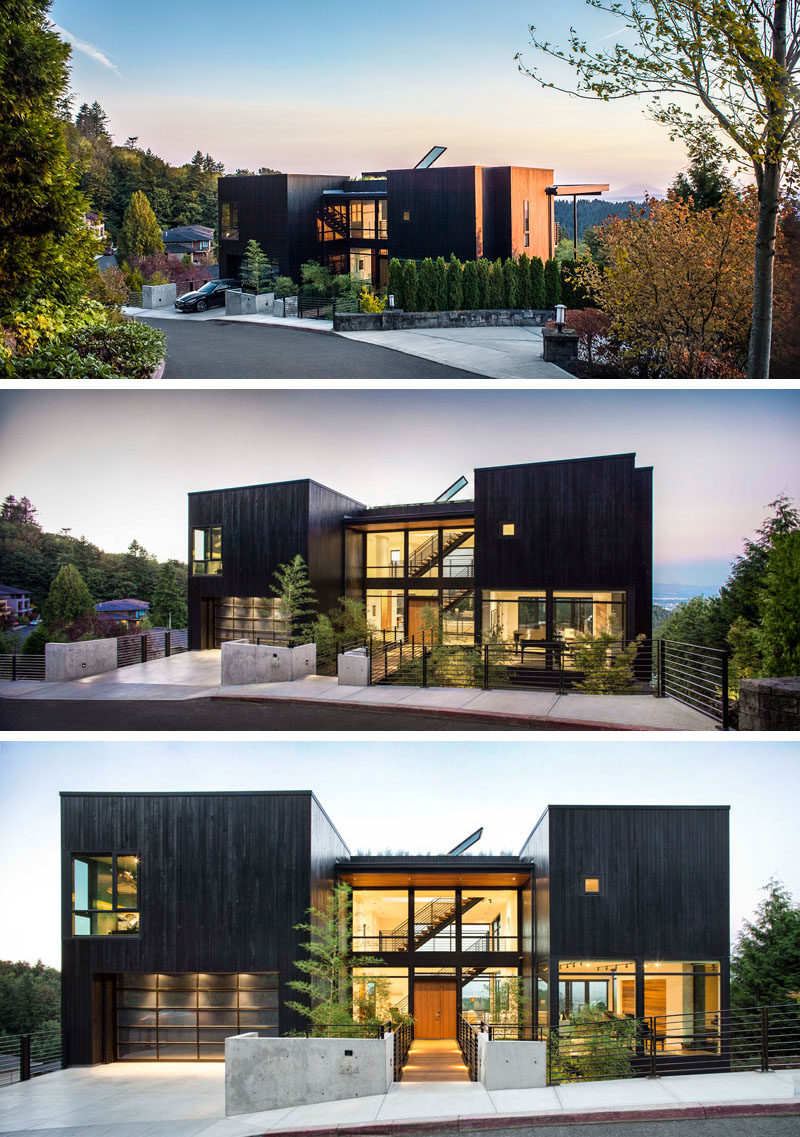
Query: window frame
<point>115,906</point>
<point>585,878</point>
<point>505,525</point>
<point>208,529</point>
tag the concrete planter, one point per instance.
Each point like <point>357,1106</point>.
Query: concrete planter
<point>159,295</point>
<point>64,662</point>
<point>265,663</point>
<point>352,668</point>
<point>395,319</point>
<point>271,1073</point>
<point>505,1064</point>
<point>238,303</point>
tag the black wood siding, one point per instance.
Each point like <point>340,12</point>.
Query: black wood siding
<point>326,542</point>
<point>537,849</point>
<point>223,880</point>
<point>446,207</point>
<point>580,524</point>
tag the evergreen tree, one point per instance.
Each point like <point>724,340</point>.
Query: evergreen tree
<point>537,284</point>
<point>169,606</point>
<point>765,962</point>
<point>426,286</point>
<point>297,598</point>
<point>552,284</point>
<point>68,601</point>
<point>524,281</point>
<point>92,122</point>
<point>510,283</point>
<point>705,179</point>
<point>484,272</point>
<point>410,286</point>
<point>471,288</point>
<point>497,291</point>
<point>779,635</point>
<point>45,248</point>
<point>441,284</point>
<point>140,235</point>
<point>395,285</point>
<point>455,284</point>
<point>256,269</point>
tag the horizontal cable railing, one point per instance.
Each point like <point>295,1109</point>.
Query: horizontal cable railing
<point>403,1037</point>
<point>467,1038</point>
<point>24,1056</point>
<point>156,643</point>
<point>695,675</point>
<point>18,666</point>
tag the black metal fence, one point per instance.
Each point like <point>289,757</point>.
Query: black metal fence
<point>158,643</point>
<point>25,1056</point>
<point>403,1037</point>
<point>324,307</point>
<point>18,666</point>
<point>696,676</point>
<point>467,1038</point>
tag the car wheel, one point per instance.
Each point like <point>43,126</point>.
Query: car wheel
<point>201,306</point>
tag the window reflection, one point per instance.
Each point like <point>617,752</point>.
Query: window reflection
<point>207,551</point>
<point>105,894</point>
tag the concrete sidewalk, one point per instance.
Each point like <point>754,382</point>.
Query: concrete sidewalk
<point>169,1100</point>
<point>498,353</point>
<point>218,315</point>
<point>196,674</point>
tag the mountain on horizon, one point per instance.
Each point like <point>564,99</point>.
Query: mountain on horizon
<point>634,191</point>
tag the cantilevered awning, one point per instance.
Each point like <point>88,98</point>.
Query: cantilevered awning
<point>592,189</point>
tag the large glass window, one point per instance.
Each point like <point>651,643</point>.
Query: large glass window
<point>514,617</point>
<point>683,999</point>
<point>589,614</point>
<point>423,553</point>
<point>496,996</point>
<point>189,1015</point>
<point>489,920</point>
<point>605,987</point>
<point>386,610</point>
<point>385,554</point>
<point>105,894</point>
<point>434,920</point>
<point>458,616</point>
<point>361,264</point>
<point>458,552</point>
<point>229,219</point>
<point>380,993</point>
<point>207,551</point>
<point>363,220</point>
<point>380,920</point>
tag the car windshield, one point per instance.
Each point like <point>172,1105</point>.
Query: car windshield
<point>212,284</point>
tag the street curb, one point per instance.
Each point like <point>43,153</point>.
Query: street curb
<point>442,1127</point>
<point>507,717</point>
<point>283,327</point>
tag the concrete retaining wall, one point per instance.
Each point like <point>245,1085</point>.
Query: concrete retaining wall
<point>769,704</point>
<point>238,303</point>
<point>511,1065</point>
<point>159,295</point>
<point>395,319</point>
<point>270,1073</point>
<point>265,663</point>
<point>352,668</point>
<point>63,662</point>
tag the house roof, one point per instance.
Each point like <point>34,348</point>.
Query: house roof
<point>6,591</point>
<point>121,605</point>
<point>188,233</point>
<point>173,247</point>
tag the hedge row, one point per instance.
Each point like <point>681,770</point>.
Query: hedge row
<point>439,286</point>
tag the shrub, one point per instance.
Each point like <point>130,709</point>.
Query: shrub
<point>426,286</point>
<point>471,287</point>
<point>607,668</point>
<point>455,284</point>
<point>158,278</point>
<point>510,283</point>
<point>441,284</point>
<point>484,272</point>
<point>552,284</point>
<point>395,286</point>
<point>368,302</point>
<point>497,287</point>
<point>107,288</point>
<point>593,328</point>
<point>410,286</point>
<point>537,284</point>
<point>284,286</point>
<point>524,281</point>
<point>121,349</point>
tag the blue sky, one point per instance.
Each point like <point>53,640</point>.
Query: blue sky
<point>413,795</point>
<point>314,88</point>
<point>719,456</point>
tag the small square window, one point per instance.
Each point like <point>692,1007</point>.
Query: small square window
<point>406,214</point>
<point>591,884</point>
<point>507,529</point>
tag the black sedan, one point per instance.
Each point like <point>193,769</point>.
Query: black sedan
<point>211,295</point>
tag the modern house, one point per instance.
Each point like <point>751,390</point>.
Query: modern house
<point>196,240</point>
<point>357,225</point>
<point>15,602</point>
<point>543,550</point>
<point>179,914</point>
<point>128,611</point>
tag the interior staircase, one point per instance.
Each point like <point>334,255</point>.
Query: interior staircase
<point>424,558</point>
<point>430,919</point>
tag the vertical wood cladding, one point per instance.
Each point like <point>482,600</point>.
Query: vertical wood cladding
<point>582,524</point>
<point>505,188</point>
<point>537,849</point>
<point>326,508</point>
<point>664,882</point>
<point>223,880</point>
<point>445,213</point>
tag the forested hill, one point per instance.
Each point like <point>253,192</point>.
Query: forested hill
<point>592,211</point>
<point>30,558</point>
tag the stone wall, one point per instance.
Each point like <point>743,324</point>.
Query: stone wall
<point>769,704</point>
<point>271,1073</point>
<point>508,1064</point>
<point>244,662</point>
<point>395,319</point>
<point>64,662</point>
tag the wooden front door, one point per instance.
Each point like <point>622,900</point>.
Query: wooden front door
<point>416,606</point>
<point>435,1008</point>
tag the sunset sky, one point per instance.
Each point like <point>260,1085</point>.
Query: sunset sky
<point>113,465</point>
<point>315,88</point>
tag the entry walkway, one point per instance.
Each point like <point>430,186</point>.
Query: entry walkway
<point>431,1060</point>
<point>187,1100</point>
<point>196,674</point>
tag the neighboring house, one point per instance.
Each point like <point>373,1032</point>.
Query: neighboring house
<point>196,240</point>
<point>356,226</point>
<point>544,550</point>
<point>95,226</point>
<point>16,602</point>
<point>130,612</point>
<point>179,914</point>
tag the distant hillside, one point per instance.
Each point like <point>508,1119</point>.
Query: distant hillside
<point>592,211</point>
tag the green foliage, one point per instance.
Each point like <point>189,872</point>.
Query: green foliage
<point>693,622</point>
<point>68,601</point>
<point>45,248</point>
<point>395,285</point>
<point>779,635</point>
<point>705,180</point>
<point>441,284</point>
<point>538,294</point>
<point>169,607</point>
<point>140,234</point>
<point>524,281</point>
<point>284,286</point>
<point>30,998</point>
<point>552,284</point>
<point>591,1047</point>
<point>108,288</point>
<point>427,286</point>
<point>297,598</point>
<point>484,283</point>
<point>256,269</point>
<point>497,286</point>
<point>510,283</point>
<point>765,962</point>
<point>746,661</point>
<point>113,350</point>
<point>455,284</point>
<point>660,614</point>
<point>573,294</point>
<point>607,666</point>
<point>410,286</point>
<point>471,286</point>
<point>369,302</point>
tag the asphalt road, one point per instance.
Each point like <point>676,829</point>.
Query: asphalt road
<point>219,714</point>
<point>210,350</point>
